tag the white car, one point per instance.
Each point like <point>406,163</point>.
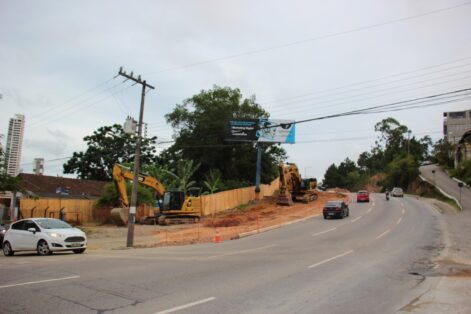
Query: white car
<point>397,192</point>
<point>44,235</point>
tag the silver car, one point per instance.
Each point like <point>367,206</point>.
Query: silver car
<point>397,192</point>
<point>44,235</point>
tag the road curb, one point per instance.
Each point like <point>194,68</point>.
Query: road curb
<point>249,233</point>
<point>443,192</point>
<point>459,181</point>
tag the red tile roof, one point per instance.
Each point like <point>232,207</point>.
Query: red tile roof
<point>45,186</point>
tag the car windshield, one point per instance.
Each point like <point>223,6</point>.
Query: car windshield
<point>333,204</point>
<point>362,192</point>
<point>53,224</point>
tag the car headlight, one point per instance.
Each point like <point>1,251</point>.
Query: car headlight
<point>55,234</point>
<point>3,231</point>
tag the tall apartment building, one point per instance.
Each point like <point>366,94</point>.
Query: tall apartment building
<point>16,130</point>
<point>455,124</point>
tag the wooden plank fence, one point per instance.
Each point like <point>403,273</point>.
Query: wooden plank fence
<point>83,211</point>
<point>218,202</point>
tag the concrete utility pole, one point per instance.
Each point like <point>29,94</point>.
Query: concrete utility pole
<point>137,155</point>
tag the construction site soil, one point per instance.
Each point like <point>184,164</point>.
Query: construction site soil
<point>224,226</point>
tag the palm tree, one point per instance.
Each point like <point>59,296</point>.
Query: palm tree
<point>212,181</point>
<point>182,175</point>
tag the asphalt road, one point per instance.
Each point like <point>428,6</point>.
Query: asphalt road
<point>370,262</point>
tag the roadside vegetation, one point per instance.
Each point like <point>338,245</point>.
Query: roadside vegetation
<point>395,159</point>
<point>200,160</point>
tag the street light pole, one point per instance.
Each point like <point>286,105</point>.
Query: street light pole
<point>137,156</point>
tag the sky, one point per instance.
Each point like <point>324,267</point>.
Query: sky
<point>300,59</point>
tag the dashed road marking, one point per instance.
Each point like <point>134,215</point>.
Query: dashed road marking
<point>325,231</point>
<point>356,219</point>
<point>369,210</point>
<point>383,234</point>
<point>330,259</point>
<point>242,251</point>
<point>185,306</point>
<point>403,211</point>
<point>399,221</point>
<point>40,281</point>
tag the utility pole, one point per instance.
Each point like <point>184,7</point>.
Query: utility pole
<point>258,171</point>
<point>137,155</point>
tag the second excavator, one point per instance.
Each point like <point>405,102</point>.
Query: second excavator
<point>293,187</point>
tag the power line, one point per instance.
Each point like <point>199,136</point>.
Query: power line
<point>349,100</point>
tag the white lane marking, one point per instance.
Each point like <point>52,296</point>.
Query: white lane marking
<point>369,210</point>
<point>325,231</point>
<point>243,251</point>
<point>185,306</point>
<point>383,234</point>
<point>399,221</point>
<point>359,217</point>
<point>373,204</point>
<point>40,281</point>
<point>330,259</point>
<point>403,211</point>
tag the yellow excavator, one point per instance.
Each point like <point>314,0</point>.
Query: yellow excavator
<point>173,206</point>
<point>293,188</point>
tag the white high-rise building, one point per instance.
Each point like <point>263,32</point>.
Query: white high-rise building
<point>16,130</point>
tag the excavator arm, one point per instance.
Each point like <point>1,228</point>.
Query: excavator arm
<point>121,174</point>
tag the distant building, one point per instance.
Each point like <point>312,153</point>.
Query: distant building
<point>455,125</point>
<point>16,130</point>
<point>51,187</point>
<point>38,166</point>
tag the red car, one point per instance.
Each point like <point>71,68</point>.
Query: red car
<point>363,196</point>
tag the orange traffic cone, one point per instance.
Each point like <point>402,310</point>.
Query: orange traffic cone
<point>217,237</point>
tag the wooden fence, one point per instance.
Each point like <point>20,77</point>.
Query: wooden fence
<point>217,202</point>
<point>80,211</point>
<point>74,209</point>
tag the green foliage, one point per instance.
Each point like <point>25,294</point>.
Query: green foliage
<point>443,153</point>
<point>7,182</point>
<point>200,124</point>
<point>462,171</point>
<point>395,153</point>
<point>401,172</point>
<point>106,146</point>
<point>212,181</point>
<point>182,175</point>
<point>347,175</point>
<point>110,196</point>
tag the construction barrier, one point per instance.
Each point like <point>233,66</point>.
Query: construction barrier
<point>84,211</point>
<point>218,202</point>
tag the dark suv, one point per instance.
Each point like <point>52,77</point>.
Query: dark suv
<point>336,209</point>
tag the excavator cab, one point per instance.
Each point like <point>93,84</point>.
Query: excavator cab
<point>173,200</point>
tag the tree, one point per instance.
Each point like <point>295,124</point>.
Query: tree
<point>443,153</point>
<point>212,181</point>
<point>106,146</point>
<point>200,125</point>
<point>182,176</point>
<point>7,182</point>
<point>401,172</point>
<point>110,196</point>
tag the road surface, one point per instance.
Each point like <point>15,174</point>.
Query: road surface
<point>371,262</point>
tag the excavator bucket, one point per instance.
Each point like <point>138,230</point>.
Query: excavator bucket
<point>119,216</point>
<point>284,200</point>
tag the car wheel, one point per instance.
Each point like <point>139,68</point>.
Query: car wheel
<point>79,251</point>
<point>325,216</point>
<point>43,248</point>
<point>348,212</point>
<point>7,249</point>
